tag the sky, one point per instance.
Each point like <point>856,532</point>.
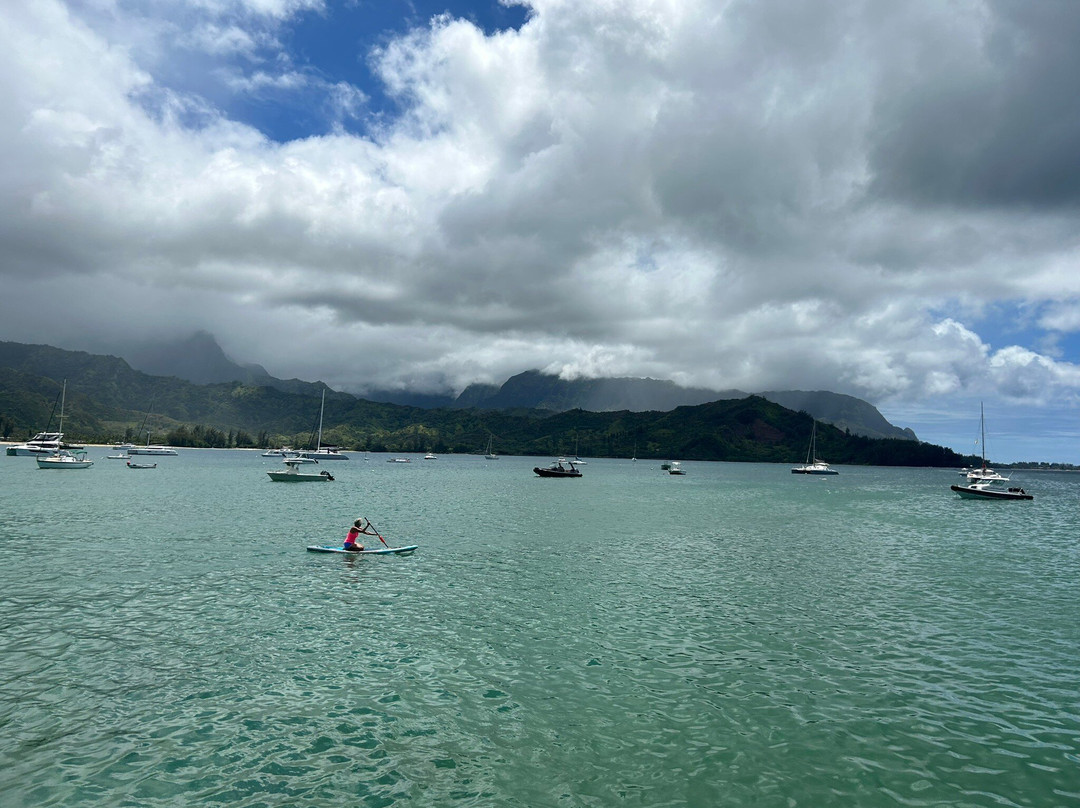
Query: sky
<point>875,198</point>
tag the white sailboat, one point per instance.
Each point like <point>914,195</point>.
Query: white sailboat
<point>813,464</point>
<point>62,458</point>
<point>490,454</point>
<point>323,452</point>
<point>148,449</point>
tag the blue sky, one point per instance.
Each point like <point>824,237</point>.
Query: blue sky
<point>872,198</point>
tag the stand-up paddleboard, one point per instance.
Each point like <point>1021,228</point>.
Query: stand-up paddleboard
<point>324,548</point>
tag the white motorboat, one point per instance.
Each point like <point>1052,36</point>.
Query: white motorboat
<point>42,443</point>
<point>675,468</point>
<point>293,474</point>
<point>813,464</point>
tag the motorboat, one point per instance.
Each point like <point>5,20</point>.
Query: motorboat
<point>985,473</point>
<point>990,489</point>
<point>398,460</point>
<point>293,474</point>
<point>675,468</point>
<point>42,443</point>
<point>557,469</point>
<point>284,451</point>
<point>430,456</point>
<point>131,465</point>
<point>813,464</point>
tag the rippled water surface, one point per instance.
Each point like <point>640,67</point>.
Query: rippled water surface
<point>738,636</point>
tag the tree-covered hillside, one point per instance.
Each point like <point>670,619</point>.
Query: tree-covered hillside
<point>108,401</point>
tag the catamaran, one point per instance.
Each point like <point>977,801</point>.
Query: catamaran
<point>323,452</point>
<point>813,464</point>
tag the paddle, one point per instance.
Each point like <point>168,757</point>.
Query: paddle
<point>376,532</point>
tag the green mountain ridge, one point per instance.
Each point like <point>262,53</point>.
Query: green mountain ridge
<point>107,400</point>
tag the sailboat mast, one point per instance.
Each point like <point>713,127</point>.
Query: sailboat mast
<point>982,435</point>
<point>63,398</point>
<point>318,444</point>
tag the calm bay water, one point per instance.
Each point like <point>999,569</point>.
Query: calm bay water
<point>738,636</point>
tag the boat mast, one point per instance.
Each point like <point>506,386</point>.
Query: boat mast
<point>982,435</point>
<point>63,397</point>
<point>318,444</point>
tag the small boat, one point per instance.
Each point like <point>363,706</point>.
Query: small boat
<point>322,452</point>
<point>430,456</point>
<point>116,457</point>
<point>813,464</point>
<point>399,460</point>
<point>63,458</point>
<point>490,454</point>
<point>557,469</point>
<point>293,474</point>
<point>665,466</point>
<point>989,489</point>
<point>675,468</point>
<point>131,465</point>
<point>284,451</point>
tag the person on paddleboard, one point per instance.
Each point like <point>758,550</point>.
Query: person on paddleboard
<point>358,528</point>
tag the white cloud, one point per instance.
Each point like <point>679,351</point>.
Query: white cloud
<point>727,194</point>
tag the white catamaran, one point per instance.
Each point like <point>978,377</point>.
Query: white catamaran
<point>323,452</point>
<point>813,464</point>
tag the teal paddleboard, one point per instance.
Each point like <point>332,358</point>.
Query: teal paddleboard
<point>324,548</point>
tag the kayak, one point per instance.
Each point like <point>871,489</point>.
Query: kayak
<point>323,548</point>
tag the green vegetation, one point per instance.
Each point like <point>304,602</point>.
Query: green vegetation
<point>107,401</point>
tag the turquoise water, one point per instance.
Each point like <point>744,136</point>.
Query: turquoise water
<point>738,636</point>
